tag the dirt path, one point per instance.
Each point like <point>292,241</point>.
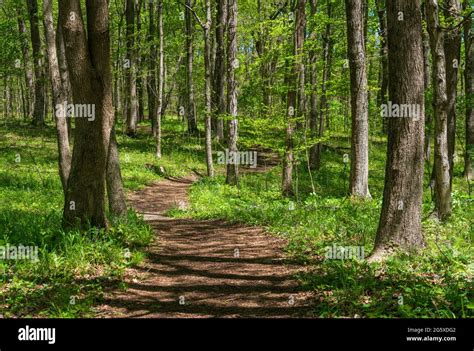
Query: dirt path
<point>201,268</point>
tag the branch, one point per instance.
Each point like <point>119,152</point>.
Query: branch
<point>203,25</point>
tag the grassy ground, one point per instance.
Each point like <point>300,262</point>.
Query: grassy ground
<point>74,269</point>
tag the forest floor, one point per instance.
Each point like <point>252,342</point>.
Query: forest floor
<point>202,268</point>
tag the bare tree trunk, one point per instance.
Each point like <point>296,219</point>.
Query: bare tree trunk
<point>300,39</point>
<point>452,49</point>
<point>151,86</point>
<point>191,105</point>
<point>359,184</point>
<point>232,63</point>
<point>139,68</point>
<point>383,75</point>
<point>59,94</point>
<point>208,87</point>
<point>161,78</point>
<point>314,160</point>
<point>443,183</point>
<point>400,219</point>
<point>130,66</point>
<point>469,91</point>
<point>115,192</point>
<point>38,113</point>
<point>219,70</point>
<point>29,96</point>
<point>88,58</point>
<point>293,85</point>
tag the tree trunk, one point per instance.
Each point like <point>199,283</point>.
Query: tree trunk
<point>400,219</point>
<point>139,68</point>
<point>130,68</point>
<point>442,178</point>
<point>29,96</point>
<point>151,86</point>
<point>232,63</point>
<point>191,105</point>
<point>161,79</point>
<point>469,91</point>
<point>452,49</point>
<point>88,58</point>
<point>38,110</point>
<point>219,70</point>
<point>115,192</point>
<point>208,88</point>
<point>383,75</point>
<point>59,94</point>
<point>359,183</point>
<point>300,33</point>
<point>314,160</point>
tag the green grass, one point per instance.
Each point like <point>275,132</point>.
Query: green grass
<point>74,268</point>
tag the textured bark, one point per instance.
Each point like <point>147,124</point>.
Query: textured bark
<point>383,74</point>
<point>314,159</point>
<point>359,180</point>
<point>441,165</point>
<point>469,91</point>
<point>161,78</point>
<point>191,104</point>
<point>38,110</point>
<point>300,33</point>
<point>219,96</point>
<point>88,58</point>
<point>232,168</point>
<point>139,64</point>
<point>130,69</point>
<point>208,88</point>
<point>59,94</point>
<point>400,220</point>
<point>427,81</point>
<point>25,50</point>
<point>151,80</point>
<point>115,192</point>
<point>452,49</point>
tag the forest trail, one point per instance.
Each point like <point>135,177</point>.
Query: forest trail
<point>199,268</point>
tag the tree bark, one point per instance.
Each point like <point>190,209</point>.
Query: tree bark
<point>359,180</point>
<point>442,172</point>
<point>29,83</point>
<point>38,110</point>
<point>161,78</point>
<point>151,86</point>
<point>130,69</point>
<point>469,92</point>
<point>400,219</point>
<point>219,70</point>
<point>208,88</point>
<point>314,160</point>
<point>191,104</point>
<point>232,63</point>
<point>452,49</point>
<point>383,75</point>
<point>59,94</point>
<point>300,35</point>
<point>88,58</point>
<point>115,192</point>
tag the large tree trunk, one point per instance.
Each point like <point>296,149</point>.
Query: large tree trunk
<point>88,58</point>
<point>359,183</point>
<point>442,172</point>
<point>232,63</point>
<point>452,49</point>
<point>59,94</point>
<point>131,70</point>
<point>29,95</point>
<point>400,219</point>
<point>191,104</point>
<point>219,70</point>
<point>469,91</point>
<point>38,110</point>
<point>161,78</point>
<point>208,88</point>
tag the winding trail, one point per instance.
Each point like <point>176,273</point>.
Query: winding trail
<point>198,268</point>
